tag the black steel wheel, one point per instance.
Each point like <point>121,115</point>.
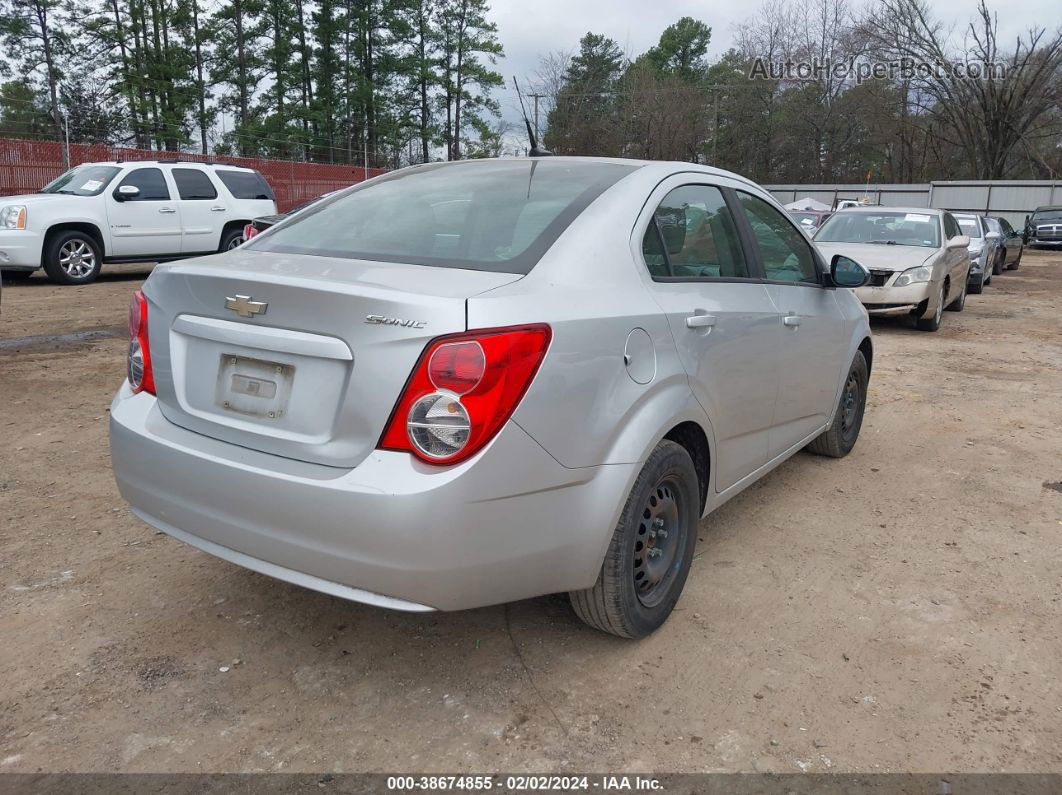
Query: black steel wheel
<point>649,556</point>
<point>839,440</point>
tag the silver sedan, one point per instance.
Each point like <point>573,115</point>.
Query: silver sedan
<point>917,259</point>
<point>463,384</point>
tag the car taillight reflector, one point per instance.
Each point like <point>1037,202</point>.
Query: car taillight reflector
<point>249,231</point>
<point>462,390</point>
<point>138,366</point>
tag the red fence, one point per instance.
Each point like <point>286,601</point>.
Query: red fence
<point>27,166</point>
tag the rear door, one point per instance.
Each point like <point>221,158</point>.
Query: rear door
<point>812,331</point>
<point>201,210</point>
<point>724,323</point>
<point>148,224</point>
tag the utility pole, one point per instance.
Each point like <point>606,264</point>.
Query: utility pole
<point>536,98</point>
<point>66,141</point>
<point>715,132</point>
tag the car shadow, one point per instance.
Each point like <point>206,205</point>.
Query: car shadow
<point>127,273</point>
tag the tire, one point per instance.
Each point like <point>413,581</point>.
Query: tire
<point>959,303</point>
<point>72,257</point>
<point>839,440</point>
<point>231,238</point>
<point>932,323</point>
<point>976,288</point>
<point>1017,262</point>
<point>633,596</point>
<point>997,266</point>
<point>15,276</point>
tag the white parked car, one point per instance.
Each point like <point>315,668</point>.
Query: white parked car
<point>127,212</point>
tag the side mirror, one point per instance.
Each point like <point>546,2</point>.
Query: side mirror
<point>846,272</point>
<point>993,236</point>
<point>959,241</point>
<point>126,192</point>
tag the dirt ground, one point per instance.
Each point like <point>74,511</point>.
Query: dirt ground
<point>897,610</point>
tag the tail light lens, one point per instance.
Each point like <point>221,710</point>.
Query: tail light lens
<point>463,389</point>
<point>138,367</point>
<point>249,231</point>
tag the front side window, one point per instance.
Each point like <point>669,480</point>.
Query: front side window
<point>499,216</point>
<point>82,181</point>
<point>693,236</point>
<point>193,184</point>
<point>951,226</point>
<point>1004,224</point>
<point>883,228</point>
<point>150,181</point>
<point>786,253</point>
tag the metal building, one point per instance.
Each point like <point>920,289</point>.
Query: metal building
<point>1010,199</point>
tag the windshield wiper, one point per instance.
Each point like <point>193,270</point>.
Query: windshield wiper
<point>882,242</point>
<point>67,192</point>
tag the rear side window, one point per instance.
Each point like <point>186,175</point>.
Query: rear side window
<point>193,184</point>
<point>245,184</point>
<point>499,216</point>
<point>693,236</point>
<point>151,182</point>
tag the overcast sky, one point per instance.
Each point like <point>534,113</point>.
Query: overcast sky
<point>530,28</point>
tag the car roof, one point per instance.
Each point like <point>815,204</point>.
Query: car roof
<point>176,162</point>
<point>1048,207</point>
<point>663,167</point>
<point>877,208</point>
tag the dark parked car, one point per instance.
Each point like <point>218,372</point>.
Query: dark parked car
<point>1044,227</point>
<point>1011,245</point>
<point>263,222</point>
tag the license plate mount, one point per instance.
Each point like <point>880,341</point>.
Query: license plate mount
<point>253,387</point>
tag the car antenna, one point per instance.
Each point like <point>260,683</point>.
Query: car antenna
<point>535,150</point>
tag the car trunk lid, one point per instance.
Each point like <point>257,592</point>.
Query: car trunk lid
<point>299,356</point>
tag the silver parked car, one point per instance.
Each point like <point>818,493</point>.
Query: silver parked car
<point>463,384</point>
<point>986,250</point>
<point>917,259</point>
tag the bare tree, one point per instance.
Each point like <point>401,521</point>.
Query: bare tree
<point>989,118</point>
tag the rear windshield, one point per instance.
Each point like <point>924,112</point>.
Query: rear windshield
<point>969,225</point>
<point>898,229</point>
<point>246,184</point>
<point>496,215</point>
<point>82,181</point>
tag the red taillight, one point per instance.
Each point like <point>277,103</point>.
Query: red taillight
<point>141,378</point>
<point>249,231</point>
<point>463,389</point>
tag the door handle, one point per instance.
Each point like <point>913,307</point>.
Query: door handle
<point>791,320</point>
<point>700,321</point>
<point>167,210</point>
<point>216,209</point>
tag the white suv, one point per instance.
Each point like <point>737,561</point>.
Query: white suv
<point>125,212</point>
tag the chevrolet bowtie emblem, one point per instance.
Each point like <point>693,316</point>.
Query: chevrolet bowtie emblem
<point>244,306</point>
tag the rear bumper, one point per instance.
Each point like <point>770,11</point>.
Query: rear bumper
<point>508,524</point>
<point>20,249</point>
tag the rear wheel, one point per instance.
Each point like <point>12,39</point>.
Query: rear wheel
<point>232,238</point>
<point>997,265</point>
<point>72,257</point>
<point>649,557</point>
<point>839,440</point>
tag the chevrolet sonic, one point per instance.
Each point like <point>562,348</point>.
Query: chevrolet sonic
<point>461,384</point>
